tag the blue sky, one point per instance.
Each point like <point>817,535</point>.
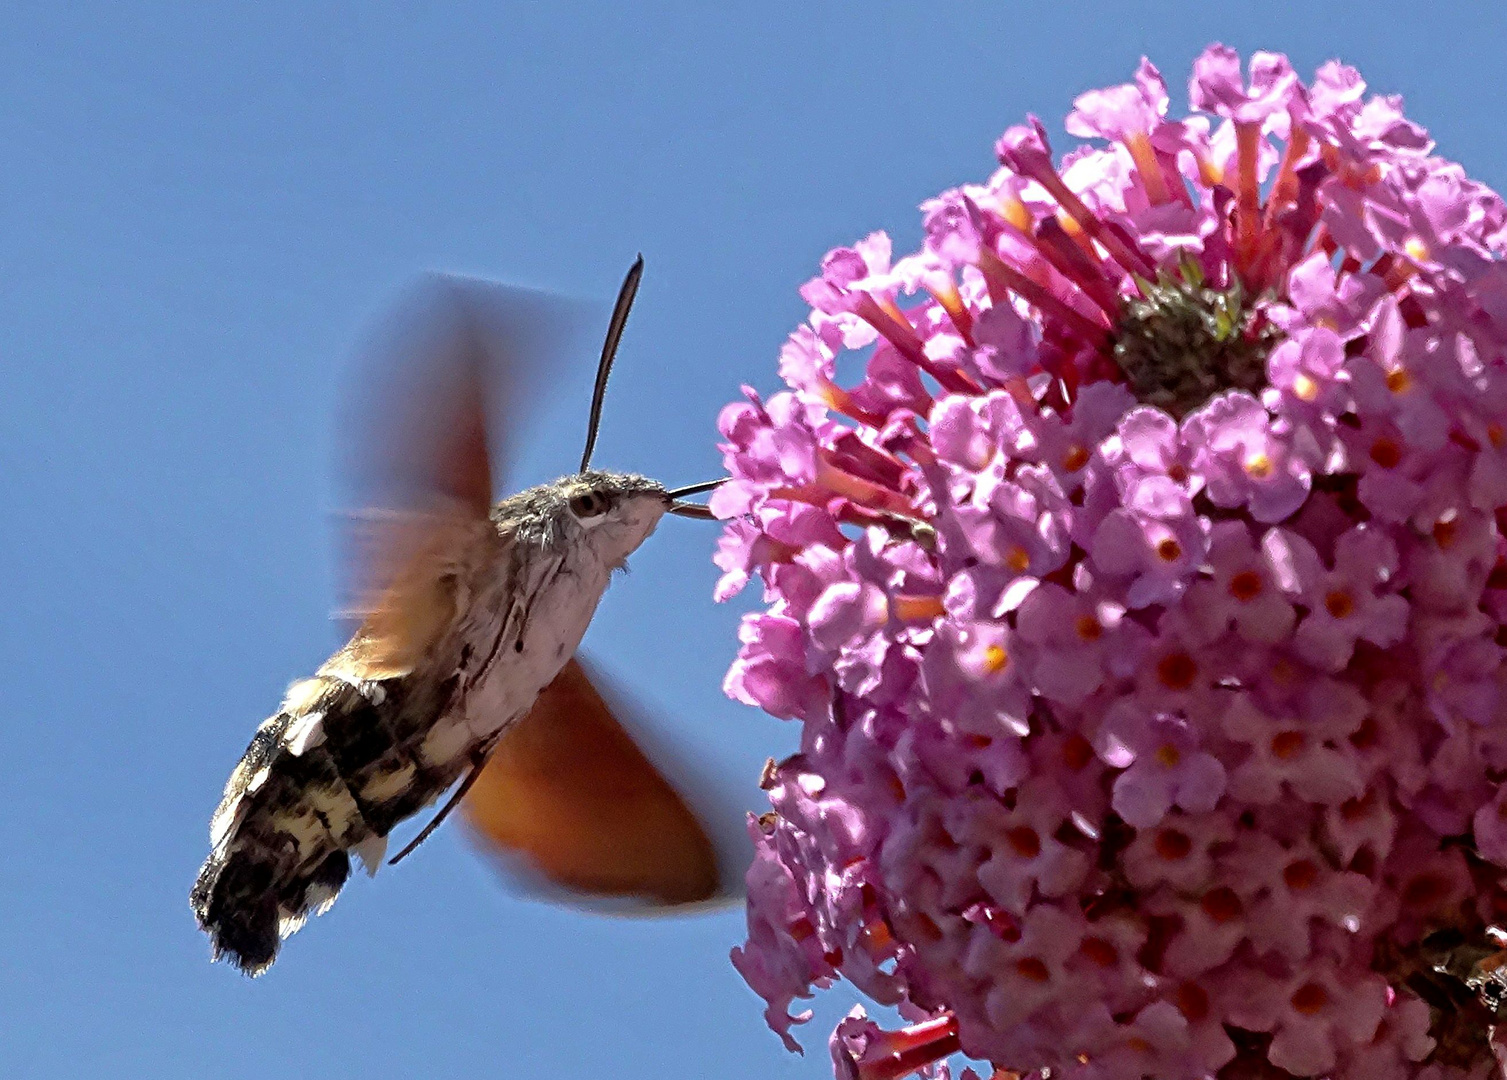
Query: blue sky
<point>201,204</point>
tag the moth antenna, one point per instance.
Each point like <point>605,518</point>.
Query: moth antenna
<point>620,311</point>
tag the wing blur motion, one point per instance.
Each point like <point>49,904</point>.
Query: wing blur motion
<point>569,794</point>
<point>438,394</point>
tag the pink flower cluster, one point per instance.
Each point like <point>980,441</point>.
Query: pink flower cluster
<point>1134,566</point>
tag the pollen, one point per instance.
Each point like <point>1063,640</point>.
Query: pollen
<point>1075,458</point>
<point>1169,756</point>
<point>1495,435</point>
<point>1417,250</point>
<point>1169,550</point>
<point>1399,381</point>
<point>1304,388</point>
<point>1259,466</point>
<point>1018,559</point>
<point>996,659</point>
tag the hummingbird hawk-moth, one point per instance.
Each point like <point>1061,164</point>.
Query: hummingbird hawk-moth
<point>462,668</point>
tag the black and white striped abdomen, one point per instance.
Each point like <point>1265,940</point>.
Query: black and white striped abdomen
<point>329,775</point>
<point>387,726</point>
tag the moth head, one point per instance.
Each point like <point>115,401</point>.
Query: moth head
<point>603,514</point>
<point>611,513</point>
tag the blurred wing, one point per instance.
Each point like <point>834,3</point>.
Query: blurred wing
<point>569,797</point>
<point>439,388</point>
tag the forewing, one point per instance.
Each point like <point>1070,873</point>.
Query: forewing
<point>568,798</point>
<point>439,390</point>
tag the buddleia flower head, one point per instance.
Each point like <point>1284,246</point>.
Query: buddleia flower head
<point>1141,603</point>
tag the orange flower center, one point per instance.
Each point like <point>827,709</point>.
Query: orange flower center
<point>1077,752</point>
<point>1221,904</point>
<point>1386,453</point>
<point>1287,744</point>
<point>1300,875</point>
<point>1032,969</point>
<point>1177,671</point>
<point>1025,842</point>
<point>1192,1002</point>
<point>1424,891</point>
<point>1088,628</point>
<point>1245,586</point>
<point>1446,530</point>
<point>1173,845</point>
<point>1100,952</point>
<point>1309,999</point>
<point>1340,604</point>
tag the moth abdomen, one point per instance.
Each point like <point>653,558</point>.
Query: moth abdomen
<point>330,774</point>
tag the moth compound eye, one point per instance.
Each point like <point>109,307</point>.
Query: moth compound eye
<point>589,505</point>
